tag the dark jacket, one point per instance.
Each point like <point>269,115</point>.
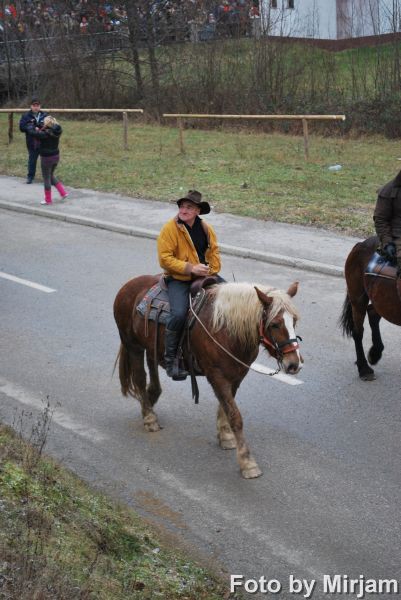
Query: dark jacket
<point>387,214</point>
<point>27,123</point>
<point>49,139</point>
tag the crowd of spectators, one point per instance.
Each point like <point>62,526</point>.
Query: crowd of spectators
<point>35,17</point>
<point>83,16</point>
<point>230,18</point>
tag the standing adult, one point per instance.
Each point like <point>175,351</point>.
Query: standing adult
<point>49,137</point>
<point>387,220</point>
<point>29,121</point>
<point>187,248</point>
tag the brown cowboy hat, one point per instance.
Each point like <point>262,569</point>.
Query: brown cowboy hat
<point>196,198</point>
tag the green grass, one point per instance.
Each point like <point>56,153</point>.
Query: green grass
<point>60,539</point>
<point>307,65</point>
<point>262,73</point>
<point>245,173</point>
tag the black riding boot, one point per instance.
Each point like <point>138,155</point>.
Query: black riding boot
<point>173,369</point>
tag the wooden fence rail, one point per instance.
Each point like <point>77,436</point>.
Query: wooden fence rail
<point>124,112</point>
<point>180,117</point>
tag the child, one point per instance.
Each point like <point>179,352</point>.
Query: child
<point>49,137</point>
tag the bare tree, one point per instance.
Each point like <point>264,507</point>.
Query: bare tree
<point>134,30</point>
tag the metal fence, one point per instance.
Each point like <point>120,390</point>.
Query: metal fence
<point>33,49</point>
<point>19,49</point>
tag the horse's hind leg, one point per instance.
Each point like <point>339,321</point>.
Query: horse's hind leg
<point>224,392</point>
<point>376,351</point>
<point>154,389</point>
<point>139,375</point>
<point>358,314</point>
<point>225,435</point>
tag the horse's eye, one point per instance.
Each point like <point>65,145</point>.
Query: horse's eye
<point>275,326</point>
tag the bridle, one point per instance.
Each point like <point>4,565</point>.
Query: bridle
<point>267,339</point>
<point>279,348</point>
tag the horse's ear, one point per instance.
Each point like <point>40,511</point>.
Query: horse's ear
<point>292,290</point>
<point>265,300</point>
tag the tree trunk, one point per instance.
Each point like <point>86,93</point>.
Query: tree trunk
<point>134,31</point>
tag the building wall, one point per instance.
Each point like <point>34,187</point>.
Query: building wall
<point>359,18</point>
<point>308,18</point>
<point>331,19</point>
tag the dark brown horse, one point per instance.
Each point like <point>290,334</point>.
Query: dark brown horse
<point>238,317</point>
<point>370,294</point>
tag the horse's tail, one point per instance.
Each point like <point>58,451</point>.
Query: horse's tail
<point>126,372</point>
<point>346,321</point>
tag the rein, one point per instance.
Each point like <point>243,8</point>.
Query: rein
<point>280,348</point>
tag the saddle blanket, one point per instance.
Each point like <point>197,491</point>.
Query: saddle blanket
<point>155,302</point>
<point>380,267</point>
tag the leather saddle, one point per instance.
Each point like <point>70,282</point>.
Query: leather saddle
<point>155,306</point>
<point>381,267</point>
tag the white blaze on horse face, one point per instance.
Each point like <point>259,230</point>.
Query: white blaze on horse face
<point>289,323</point>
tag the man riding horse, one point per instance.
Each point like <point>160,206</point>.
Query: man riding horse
<point>187,249</point>
<point>387,220</point>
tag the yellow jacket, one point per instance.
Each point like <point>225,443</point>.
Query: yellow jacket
<point>177,253</point>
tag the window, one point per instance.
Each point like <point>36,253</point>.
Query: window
<point>291,3</point>
<point>274,3</point>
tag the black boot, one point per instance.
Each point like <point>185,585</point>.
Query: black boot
<point>173,369</point>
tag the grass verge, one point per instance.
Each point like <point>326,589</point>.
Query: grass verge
<point>59,539</point>
<point>245,173</point>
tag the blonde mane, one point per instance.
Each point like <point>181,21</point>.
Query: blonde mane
<point>238,308</point>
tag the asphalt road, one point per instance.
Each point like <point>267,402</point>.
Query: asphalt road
<point>328,502</point>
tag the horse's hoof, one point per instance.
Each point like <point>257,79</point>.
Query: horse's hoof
<point>228,444</point>
<point>251,473</point>
<point>152,427</point>
<point>368,377</point>
<point>373,357</point>
<point>151,424</point>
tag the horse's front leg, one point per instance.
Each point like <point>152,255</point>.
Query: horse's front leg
<point>358,315</point>
<point>225,435</point>
<point>224,392</point>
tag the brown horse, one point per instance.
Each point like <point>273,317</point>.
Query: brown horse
<point>234,319</point>
<point>384,302</point>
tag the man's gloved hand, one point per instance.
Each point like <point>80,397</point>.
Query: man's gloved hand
<point>390,251</point>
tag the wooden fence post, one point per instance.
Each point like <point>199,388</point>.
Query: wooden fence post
<point>10,127</point>
<point>181,129</point>
<point>306,138</point>
<point>125,127</point>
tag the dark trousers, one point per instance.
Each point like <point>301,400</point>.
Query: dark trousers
<point>48,165</point>
<point>178,295</point>
<point>32,160</point>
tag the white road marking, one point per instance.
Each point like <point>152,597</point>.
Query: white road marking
<point>24,396</point>
<point>282,377</point>
<point>26,282</point>
<point>275,544</point>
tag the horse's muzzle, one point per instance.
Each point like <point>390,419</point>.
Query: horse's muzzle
<point>292,367</point>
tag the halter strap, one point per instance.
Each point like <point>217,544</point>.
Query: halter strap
<point>280,348</point>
